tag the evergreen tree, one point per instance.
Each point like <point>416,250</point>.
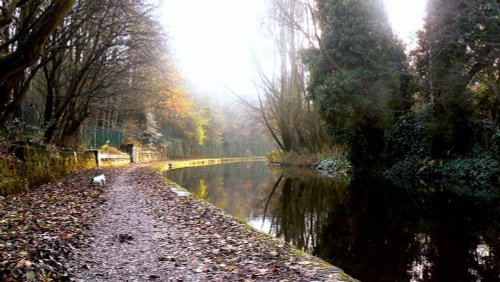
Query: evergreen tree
<point>358,76</point>
<point>458,50</point>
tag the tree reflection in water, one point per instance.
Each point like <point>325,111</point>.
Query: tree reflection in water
<point>395,234</point>
<point>373,229</point>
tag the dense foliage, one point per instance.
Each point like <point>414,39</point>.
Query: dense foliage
<point>434,113</point>
<point>358,77</point>
<point>457,58</point>
<point>451,132</point>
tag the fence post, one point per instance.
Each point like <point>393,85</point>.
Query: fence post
<point>129,148</point>
<point>97,160</point>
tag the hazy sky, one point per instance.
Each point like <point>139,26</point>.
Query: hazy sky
<point>406,17</point>
<point>215,42</point>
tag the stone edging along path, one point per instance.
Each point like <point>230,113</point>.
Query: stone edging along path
<point>141,230</point>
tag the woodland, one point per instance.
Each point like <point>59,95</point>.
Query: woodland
<point>86,74</point>
<point>353,85</point>
<point>83,74</point>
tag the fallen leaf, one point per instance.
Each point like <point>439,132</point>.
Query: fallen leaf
<point>30,276</point>
<point>22,263</point>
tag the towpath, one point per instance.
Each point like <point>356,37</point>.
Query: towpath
<point>143,231</point>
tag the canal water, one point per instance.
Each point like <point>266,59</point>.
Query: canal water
<point>373,229</point>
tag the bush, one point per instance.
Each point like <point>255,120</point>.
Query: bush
<point>478,169</point>
<point>407,144</point>
<point>301,158</point>
<point>106,148</point>
<point>495,144</point>
<point>336,167</point>
<point>408,138</point>
<point>409,155</point>
<point>38,166</point>
<point>275,157</point>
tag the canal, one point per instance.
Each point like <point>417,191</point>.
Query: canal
<point>373,229</point>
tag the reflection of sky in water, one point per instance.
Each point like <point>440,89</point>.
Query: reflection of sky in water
<point>482,252</point>
<point>373,230</point>
<point>420,264</point>
<point>260,223</point>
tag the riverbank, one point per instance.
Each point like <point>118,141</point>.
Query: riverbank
<point>137,227</point>
<point>478,171</point>
<point>185,163</point>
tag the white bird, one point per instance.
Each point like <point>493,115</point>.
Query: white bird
<point>100,179</point>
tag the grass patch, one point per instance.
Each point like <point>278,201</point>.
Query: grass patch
<point>31,167</point>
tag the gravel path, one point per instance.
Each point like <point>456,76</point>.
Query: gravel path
<point>129,241</point>
<point>145,231</point>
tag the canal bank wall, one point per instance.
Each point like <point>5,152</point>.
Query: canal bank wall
<point>300,258</point>
<point>177,164</point>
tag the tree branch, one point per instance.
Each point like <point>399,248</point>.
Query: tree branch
<point>32,48</point>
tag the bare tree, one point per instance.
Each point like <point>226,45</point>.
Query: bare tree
<point>102,58</point>
<point>283,104</point>
<point>110,58</point>
<point>25,31</point>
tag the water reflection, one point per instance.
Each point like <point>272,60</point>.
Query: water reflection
<point>240,188</point>
<point>374,230</point>
<point>428,237</point>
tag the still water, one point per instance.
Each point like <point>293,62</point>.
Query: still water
<point>373,229</point>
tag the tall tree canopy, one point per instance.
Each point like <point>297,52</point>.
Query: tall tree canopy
<point>358,75</point>
<point>23,45</point>
<point>457,56</point>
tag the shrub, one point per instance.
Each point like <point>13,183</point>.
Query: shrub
<point>301,158</point>
<point>407,144</point>
<point>38,166</point>
<point>106,148</point>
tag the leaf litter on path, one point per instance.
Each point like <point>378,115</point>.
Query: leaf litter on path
<point>41,228</point>
<point>137,228</point>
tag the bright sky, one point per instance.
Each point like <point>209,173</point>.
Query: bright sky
<point>216,41</point>
<point>406,17</point>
